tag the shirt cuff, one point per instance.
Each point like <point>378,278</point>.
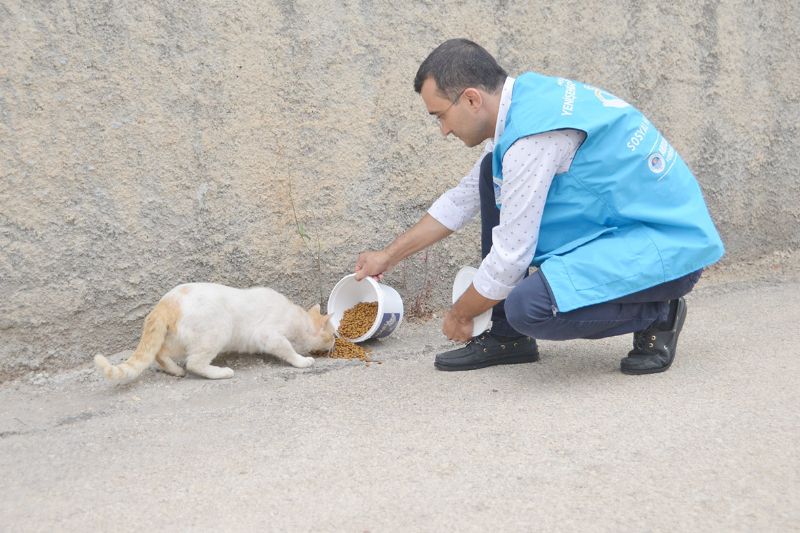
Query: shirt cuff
<point>489,287</point>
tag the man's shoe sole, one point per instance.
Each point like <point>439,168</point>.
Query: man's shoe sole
<point>648,371</point>
<point>513,360</point>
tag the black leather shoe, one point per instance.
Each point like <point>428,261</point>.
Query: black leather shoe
<point>487,350</point>
<point>654,348</point>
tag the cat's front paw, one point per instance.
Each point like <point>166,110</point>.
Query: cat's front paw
<point>226,373</point>
<point>303,362</point>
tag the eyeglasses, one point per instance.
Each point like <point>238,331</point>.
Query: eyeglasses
<point>437,118</point>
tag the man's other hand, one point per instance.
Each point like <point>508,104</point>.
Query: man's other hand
<point>457,328</point>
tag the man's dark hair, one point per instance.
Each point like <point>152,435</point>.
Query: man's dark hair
<point>457,64</point>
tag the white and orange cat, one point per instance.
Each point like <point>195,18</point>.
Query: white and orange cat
<point>197,321</point>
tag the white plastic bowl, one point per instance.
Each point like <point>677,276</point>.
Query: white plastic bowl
<point>349,292</point>
<point>462,282</point>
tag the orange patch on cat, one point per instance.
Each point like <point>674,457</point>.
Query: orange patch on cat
<point>169,311</point>
<point>319,319</point>
<point>184,290</point>
<point>159,323</point>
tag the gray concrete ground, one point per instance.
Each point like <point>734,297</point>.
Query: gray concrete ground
<point>566,444</point>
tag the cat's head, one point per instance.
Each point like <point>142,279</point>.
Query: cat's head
<point>322,331</point>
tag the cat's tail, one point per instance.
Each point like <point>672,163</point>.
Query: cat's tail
<point>154,332</point>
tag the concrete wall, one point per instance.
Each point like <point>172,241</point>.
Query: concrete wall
<point>144,144</point>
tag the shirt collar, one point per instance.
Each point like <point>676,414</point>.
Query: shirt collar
<point>505,103</point>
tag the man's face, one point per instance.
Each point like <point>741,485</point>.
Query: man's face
<point>458,117</point>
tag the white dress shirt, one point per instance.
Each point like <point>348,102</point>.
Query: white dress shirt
<point>528,169</point>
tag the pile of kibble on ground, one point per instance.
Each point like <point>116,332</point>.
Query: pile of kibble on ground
<point>355,322</point>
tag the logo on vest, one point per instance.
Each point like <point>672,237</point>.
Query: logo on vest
<point>568,104</point>
<point>656,163</point>
<point>607,99</point>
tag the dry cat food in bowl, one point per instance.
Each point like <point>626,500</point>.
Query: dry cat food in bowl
<point>349,293</point>
<point>358,319</point>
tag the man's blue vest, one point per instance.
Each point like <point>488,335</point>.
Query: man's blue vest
<point>627,215</point>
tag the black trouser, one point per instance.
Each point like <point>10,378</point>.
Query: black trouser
<point>528,309</point>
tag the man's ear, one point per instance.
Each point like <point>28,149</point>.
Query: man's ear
<point>473,97</point>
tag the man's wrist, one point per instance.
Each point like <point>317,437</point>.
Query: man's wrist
<point>459,314</point>
<point>390,257</point>
<point>471,304</point>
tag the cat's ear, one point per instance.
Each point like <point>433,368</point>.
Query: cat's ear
<point>314,310</point>
<point>326,318</point>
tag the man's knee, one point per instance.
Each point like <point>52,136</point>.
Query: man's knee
<point>527,313</point>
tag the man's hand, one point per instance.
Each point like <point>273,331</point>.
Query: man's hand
<point>457,328</point>
<point>372,264</point>
<point>458,322</point>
